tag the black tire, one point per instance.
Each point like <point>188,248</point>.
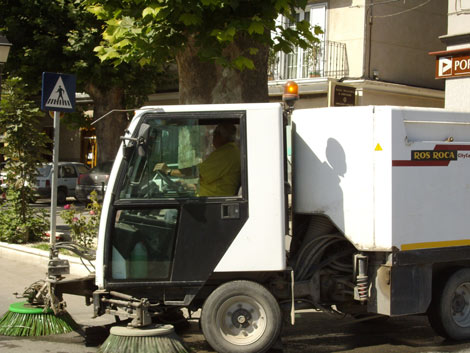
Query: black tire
<point>61,196</point>
<point>449,312</point>
<point>241,317</point>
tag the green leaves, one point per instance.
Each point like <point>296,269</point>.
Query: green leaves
<point>225,35</point>
<point>19,123</point>
<point>98,11</point>
<point>242,63</point>
<point>190,19</point>
<point>157,30</point>
<point>256,26</point>
<point>151,10</point>
<point>211,2</point>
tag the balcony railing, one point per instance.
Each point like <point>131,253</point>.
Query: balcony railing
<point>328,59</point>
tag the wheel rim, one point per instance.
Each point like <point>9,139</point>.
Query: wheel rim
<point>242,320</point>
<point>461,305</point>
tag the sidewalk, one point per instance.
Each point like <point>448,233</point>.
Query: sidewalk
<point>40,258</point>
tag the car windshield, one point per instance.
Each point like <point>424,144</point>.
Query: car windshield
<point>44,170</point>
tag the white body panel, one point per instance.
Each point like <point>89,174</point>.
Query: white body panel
<point>260,244</point>
<point>354,165</point>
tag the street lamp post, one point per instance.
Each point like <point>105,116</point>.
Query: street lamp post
<point>4,51</point>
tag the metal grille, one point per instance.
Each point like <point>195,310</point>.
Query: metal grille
<point>328,59</point>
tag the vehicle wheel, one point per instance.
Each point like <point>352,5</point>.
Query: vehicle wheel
<point>449,312</point>
<point>61,196</point>
<point>241,316</point>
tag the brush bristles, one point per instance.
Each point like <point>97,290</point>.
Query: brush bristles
<point>17,324</point>
<point>148,344</point>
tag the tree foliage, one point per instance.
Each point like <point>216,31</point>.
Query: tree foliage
<point>24,148</point>
<point>59,36</point>
<point>221,47</point>
<point>150,32</point>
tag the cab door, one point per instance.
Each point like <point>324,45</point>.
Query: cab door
<point>165,228</point>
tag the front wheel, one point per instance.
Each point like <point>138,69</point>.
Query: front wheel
<point>241,316</point>
<point>449,313</point>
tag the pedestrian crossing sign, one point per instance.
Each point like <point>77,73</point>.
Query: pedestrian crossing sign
<point>58,92</point>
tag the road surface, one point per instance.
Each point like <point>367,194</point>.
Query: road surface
<point>313,332</point>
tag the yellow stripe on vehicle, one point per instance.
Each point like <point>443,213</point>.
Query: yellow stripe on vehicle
<point>435,244</point>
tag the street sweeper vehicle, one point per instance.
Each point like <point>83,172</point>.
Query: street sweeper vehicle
<point>357,210</point>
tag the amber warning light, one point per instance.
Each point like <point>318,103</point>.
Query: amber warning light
<point>291,93</point>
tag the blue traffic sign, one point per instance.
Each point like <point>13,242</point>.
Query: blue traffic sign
<point>58,92</point>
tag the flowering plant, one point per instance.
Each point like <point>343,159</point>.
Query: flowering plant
<point>84,226</point>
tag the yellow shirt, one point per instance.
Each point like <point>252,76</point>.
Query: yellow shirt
<point>220,172</point>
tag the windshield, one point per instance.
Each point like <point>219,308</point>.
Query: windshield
<point>180,160</point>
<point>45,170</point>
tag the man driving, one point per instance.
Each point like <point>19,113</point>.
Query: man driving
<point>219,173</point>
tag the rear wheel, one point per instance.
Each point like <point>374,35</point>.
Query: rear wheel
<point>61,196</point>
<point>241,316</point>
<point>449,313</point>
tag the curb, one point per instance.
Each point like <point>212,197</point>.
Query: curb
<point>39,257</point>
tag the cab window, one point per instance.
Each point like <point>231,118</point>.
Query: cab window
<point>186,157</point>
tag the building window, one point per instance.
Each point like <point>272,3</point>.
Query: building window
<point>303,63</point>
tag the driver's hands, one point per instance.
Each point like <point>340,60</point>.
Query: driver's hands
<point>161,167</point>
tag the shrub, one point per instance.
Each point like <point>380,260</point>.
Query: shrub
<point>84,228</point>
<point>28,228</point>
<point>24,146</point>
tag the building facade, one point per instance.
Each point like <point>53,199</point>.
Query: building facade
<point>378,47</point>
<point>454,63</point>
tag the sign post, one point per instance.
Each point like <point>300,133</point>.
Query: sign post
<point>58,95</point>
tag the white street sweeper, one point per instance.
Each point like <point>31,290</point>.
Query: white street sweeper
<point>368,213</point>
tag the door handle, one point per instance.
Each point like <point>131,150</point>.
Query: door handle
<point>230,211</point>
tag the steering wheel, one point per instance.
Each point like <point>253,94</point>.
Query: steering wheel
<point>171,184</point>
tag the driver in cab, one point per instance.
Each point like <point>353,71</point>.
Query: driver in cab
<point>219,173</point>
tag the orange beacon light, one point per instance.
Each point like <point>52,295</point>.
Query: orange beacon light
<point>291,93</point>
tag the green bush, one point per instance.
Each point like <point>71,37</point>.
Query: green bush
<point>24,147</point>
<point>84,228</point>
<point>28,228</point>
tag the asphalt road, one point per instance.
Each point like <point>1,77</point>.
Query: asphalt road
<point>313,332</point>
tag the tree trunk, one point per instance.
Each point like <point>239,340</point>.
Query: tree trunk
<point>203,82</point>
<point>109,129</point>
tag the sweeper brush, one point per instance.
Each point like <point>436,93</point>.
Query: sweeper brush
<point>23,319</point>
<point>153,339</point>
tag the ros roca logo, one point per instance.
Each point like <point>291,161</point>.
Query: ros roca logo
<point>433,155</point>
<point>445,66</point>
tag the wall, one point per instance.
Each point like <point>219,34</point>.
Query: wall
<point>345,24</point>
<point>458,17</point>
<point>458,37</point>
<point>402,34</point>
<point>372,93</point>
<point>372,97</point>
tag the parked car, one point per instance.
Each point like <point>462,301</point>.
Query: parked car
<point>66,180</point>
<point>94,180</point>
